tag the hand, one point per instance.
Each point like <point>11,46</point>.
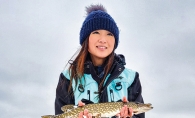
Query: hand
<point>85,113</point>
<point>125,111</point>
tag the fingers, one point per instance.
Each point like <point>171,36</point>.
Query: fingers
<point>125,99</point>
<point>81,104</point>
<point>85,114</point>
<point>117,115</point>
<point>122,112</point>
<point>89,115</point>
<point>130,112</point>
<point>80,115</point>
<point>125,112</point>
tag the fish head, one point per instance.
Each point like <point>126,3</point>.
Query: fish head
<point>140,107</point>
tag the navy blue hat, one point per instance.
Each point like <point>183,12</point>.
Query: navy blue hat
<point>98,18</point>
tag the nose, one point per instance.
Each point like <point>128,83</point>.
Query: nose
<point>102,39</point>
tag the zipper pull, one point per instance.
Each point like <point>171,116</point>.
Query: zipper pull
<point>111,95</point>
<point>88,93</point>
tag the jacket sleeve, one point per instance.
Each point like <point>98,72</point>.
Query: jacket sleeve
<point>135,94</point>
<point>62,95</point>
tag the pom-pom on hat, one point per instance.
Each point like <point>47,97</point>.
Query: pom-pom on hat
<point>98,18</point>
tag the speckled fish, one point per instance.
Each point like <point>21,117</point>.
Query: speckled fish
<point>101,109</point>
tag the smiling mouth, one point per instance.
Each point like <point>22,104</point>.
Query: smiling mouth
<point>101,47</point>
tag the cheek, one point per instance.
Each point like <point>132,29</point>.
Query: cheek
<point>90,46</point>
<point>91,40</point>
<point>112,42</point>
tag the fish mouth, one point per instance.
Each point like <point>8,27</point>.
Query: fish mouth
<point>143,109</point>
<point>149,106</point>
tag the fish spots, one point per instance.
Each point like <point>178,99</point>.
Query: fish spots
<point>104,109</point>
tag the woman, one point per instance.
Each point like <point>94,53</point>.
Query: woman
<point>97,74</point>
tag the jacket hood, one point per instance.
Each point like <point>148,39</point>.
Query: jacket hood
<point>120,59</point>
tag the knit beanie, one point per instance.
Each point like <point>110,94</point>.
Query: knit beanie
<point>98,18</point>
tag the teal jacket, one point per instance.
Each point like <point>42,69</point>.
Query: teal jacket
<point>119,83</point>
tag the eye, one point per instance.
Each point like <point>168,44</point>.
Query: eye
<point>95,32</point>
<point>110,34</point>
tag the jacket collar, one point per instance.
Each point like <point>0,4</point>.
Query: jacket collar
<point>118,64</point>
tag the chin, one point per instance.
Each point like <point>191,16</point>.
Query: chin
<point>102,56</point>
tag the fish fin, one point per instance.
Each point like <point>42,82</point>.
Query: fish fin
<point>67,108</point>
<point>135,112</point>
<point>48,116</point>
<point>96,115</point>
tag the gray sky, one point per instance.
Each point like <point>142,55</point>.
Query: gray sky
<point>38,37</point>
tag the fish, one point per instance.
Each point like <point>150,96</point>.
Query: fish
<point>99,110</point>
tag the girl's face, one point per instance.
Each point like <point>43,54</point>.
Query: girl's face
<point>101,44</point>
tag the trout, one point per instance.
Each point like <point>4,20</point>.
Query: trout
<point>99,110</point>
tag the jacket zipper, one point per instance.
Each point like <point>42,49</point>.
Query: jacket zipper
<point>111,95</point>
<point>88,93</point>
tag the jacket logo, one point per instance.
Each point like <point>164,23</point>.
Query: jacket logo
<point>81,88</point>
<point>120,77</point>
<point>118,86</point>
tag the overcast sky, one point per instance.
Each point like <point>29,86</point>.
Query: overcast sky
<point>38,37</point>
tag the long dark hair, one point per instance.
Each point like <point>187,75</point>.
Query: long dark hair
<point>76,69</point>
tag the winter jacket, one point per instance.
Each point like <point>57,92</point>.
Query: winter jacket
<point>119,83</point>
